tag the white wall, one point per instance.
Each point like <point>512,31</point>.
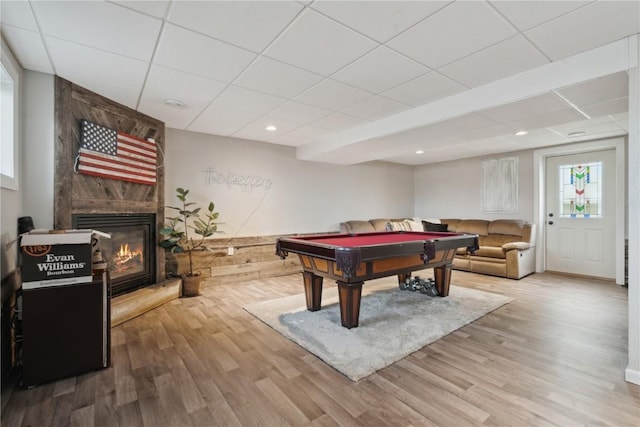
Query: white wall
<point>293,196</point>
<point>632,373</point>
<point>454,189</point>
<point>38,145</point>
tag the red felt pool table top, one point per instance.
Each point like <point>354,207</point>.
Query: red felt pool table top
<point>380,238</point>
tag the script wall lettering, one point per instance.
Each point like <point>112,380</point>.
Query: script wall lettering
<point>231,179</point>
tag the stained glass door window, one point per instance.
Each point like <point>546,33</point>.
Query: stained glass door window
<point>581,190</point>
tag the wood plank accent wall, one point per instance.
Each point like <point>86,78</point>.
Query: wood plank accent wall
<point>77,193</point>
<point>253,258</point>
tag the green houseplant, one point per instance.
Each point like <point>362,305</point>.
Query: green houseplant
<point>180,230</point>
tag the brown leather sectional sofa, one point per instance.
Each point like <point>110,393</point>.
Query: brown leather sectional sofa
<point>507,246</point>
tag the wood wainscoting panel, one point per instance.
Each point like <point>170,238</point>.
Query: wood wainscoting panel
<point>253,258</point>
<point>133,304</point>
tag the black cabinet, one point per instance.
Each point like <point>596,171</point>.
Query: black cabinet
<point>66,330</point>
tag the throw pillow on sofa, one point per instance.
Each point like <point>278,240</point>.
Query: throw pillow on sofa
<point>429,226</point>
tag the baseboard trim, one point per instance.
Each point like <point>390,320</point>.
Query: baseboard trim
<point>133,304</point>
<point>632,376</point>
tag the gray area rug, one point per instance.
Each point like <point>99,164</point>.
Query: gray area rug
<point>393,323</point>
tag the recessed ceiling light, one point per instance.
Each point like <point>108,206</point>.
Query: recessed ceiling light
<point>521,133</point>
<point>173,102</point>
<point>271,128</point>
<point>420,152</point>
<point>576,133</point>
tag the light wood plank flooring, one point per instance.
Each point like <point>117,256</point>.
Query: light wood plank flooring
<point>553,357</point>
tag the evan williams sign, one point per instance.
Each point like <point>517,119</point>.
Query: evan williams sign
<point>56,259</point>
<point>55,265</point>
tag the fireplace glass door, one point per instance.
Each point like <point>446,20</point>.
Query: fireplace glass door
<point>130,252</point>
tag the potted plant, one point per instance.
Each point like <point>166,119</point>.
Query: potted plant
<point>179,239</point>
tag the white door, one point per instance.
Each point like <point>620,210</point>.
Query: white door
<point>580,224</point>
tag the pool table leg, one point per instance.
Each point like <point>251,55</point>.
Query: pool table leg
<point>402,277</point>
<point>349,295</point>
<point>443,279</point>
<point>312,290</point>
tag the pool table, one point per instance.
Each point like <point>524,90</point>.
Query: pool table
<point>350,259</point>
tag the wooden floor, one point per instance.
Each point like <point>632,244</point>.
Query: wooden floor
<point>554,356</point>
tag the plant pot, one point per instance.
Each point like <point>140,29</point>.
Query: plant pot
<point>191,285</point>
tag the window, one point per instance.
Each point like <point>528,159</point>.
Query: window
<point>9,84</point>
<point>581,190</point>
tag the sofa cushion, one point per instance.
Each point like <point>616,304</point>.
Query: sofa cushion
<point>507,226</point>
<point>490,252</point>
<point>473,226</point>
<point>379,224</point>
<point>360,226</point>
<point>498,240</point>
<point>521,246</point>
<point>430,226</point>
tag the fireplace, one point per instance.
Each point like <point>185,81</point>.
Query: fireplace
<point>130,253</point>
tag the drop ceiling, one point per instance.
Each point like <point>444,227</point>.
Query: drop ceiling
<point>348,81</point>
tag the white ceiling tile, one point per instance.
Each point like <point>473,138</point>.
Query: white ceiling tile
<point>28,48</point>
<point>503,59</point>
<point>301,136</point>
<point>534,137</point>
<point>375,108</point>
<point>380,70</point>
<point>380,20</point>
<point>534,106</point>
<point>593,25</point>
<point>100,25</point>
<point>165,83</point>
<point>257,129</point>
<point>527,14</point>
<point>597,90</point>
<point>155,8</point>
<point>317,43</point>
<point>339,121</point>
<point>297,112</point>
<point>424,89</point>
<point>276,78</point>
<point>219,120</point>
<point>197,54</point>
<point>614,106</point>
<point>113,76</point>
<point>592,127</point>
<point>229,21</point>
<point>332,95</point>
<point>545,120</point>
<point>453,32</point>
<point>242,99</point>
<point>17,14</point>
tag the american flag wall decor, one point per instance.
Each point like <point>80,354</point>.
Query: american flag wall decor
<point>108,153</point>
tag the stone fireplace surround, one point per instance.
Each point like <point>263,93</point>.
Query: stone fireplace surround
<point>82,194</point>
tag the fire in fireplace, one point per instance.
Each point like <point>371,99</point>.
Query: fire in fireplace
<point>124,254</point>
<point>130,253</point>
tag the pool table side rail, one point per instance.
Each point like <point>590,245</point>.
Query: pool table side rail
<point>348,258</point>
